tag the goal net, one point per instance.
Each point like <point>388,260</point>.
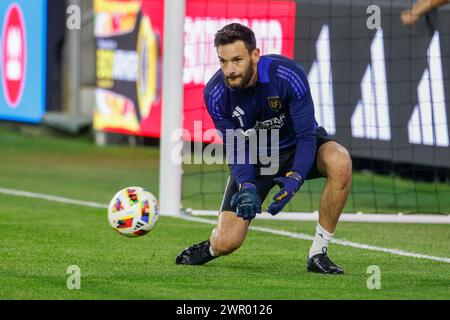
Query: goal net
<point>380,89</point>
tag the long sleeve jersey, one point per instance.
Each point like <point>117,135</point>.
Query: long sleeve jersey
<point>280,100</point>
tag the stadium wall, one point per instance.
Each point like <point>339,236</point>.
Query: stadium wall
<point>390,87</point>
<point>383,93</point>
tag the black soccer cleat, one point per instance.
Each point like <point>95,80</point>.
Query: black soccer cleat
<point>322,264</point>
<point>196,254</point>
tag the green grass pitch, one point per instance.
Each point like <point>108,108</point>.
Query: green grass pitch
<point>40,239</point>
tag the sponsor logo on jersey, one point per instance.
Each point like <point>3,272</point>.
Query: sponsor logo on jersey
<point>274,123</point>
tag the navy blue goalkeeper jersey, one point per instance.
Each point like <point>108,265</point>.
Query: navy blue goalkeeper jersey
<point>280,99</point>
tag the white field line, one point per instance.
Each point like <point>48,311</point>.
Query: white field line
<point>349,217</point>
<point>27,194</point>
<point>289,234</point>
<point>345,243</point>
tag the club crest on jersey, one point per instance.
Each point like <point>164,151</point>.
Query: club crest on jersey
<point>274,103</point>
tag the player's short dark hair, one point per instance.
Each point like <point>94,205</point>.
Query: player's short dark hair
<point>233,32</point>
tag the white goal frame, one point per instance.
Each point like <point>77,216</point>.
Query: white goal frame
<point>170,169</point>
<point>170,173</point>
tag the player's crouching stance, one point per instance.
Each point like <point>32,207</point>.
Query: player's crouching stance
<point>250,90</point>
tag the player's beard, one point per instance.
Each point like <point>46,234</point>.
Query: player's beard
<point>246,77</point>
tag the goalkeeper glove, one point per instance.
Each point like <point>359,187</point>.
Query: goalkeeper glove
<point>289,186</point>
<point>246,201</point>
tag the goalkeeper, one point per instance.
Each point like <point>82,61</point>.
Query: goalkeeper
<point>271,92</point>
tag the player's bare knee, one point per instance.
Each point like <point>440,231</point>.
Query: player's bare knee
<point>345,172</point>
<point>340,168</point>
<point>226,245</point>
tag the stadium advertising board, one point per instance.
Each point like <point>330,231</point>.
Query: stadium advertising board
<point>383,93</point>
<point>385,97</point>
<point>130,37</point>
<point>22,62</point>
<point>128,66</point>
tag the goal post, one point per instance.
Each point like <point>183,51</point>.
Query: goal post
<point>172,108</point>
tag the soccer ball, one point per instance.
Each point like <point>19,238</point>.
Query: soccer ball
<point>133,212</point>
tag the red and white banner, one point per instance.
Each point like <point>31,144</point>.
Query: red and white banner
<point>14,51</point>
<point>127,103</point>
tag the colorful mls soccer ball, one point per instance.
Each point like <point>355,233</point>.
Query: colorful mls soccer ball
<point>133,212</point>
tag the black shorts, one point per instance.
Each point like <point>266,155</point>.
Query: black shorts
<point>265,182</point>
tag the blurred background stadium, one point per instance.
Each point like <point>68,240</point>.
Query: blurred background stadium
<point>81,102</point>
<point>382,92</point>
